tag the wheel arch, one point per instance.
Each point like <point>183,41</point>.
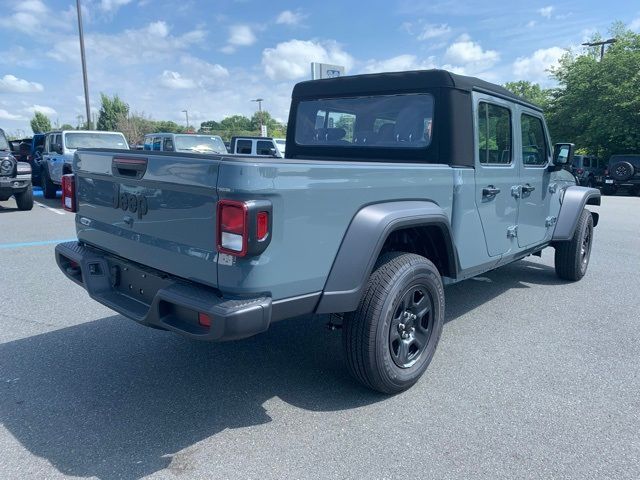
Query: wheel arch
<point>575,199</point>
<point>379,228</point>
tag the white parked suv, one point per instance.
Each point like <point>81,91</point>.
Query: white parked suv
<point>59,147</point>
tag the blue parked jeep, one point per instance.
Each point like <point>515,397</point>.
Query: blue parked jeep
<point>393,186</point>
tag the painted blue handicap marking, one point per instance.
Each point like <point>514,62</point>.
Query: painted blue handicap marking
<point>34,244</point>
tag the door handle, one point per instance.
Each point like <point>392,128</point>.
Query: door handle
<point>490,191</point>
<point>527,188</point>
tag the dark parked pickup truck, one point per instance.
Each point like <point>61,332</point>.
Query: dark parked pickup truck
<point>393,185</point>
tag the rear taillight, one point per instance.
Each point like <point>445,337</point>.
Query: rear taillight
<point>580,171</point>
<point>243,228</point>
<point>232,227</point>
<point>606,171</point>
<point>69,193</point>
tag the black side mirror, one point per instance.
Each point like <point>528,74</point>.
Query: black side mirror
<point>563,154</point>
<point>273,152</point>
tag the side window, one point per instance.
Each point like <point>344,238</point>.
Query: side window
<point>264,147</point>
<point>148,143</point>
<point>157,142</point>
<point>167,146</point>
<point>243,147</point>
<point>534,143</point>
<point>57,140</point>
<point>494,134</point>
<point>587,162</point>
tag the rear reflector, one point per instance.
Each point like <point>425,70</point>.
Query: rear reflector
<point>262,225</point>
<point>204,319</point>
<point>69,193</point>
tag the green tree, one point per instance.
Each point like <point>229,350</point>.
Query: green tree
<point>597,102</point>
<point>111,111</point>
<point>168,126</point>
<point>236,123</point>
<point>529,91</point>
<point>40,123</point>
<point>208,126</point>
<point>66,126</point>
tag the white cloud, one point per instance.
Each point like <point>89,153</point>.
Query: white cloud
<point>291,60</point>
<point>174,80</point>
<point>153,42</point>
<point>398,64</point>
<point>42,109</point>
<point>287,17</point>
<point>159,29</point>
<point>635,25</point>
<point>13,84</point>
<point>546,11</point>
<point>32,6</point>
<point>433,31</point>
<point>534,68</point>
<point>111,5</point>
<point>531,23</point>
<point>4,115</point>
<point>241,36</point>
<point>467,56</point>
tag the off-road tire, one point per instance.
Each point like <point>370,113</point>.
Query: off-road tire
<point>49,188</point>
<point>24,200</point>
<point>367,331</point>
<point>571,260</point>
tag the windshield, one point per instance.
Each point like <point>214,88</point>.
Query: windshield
<point>75,140</point>
<point>395,121</point>
<point>199,143</point>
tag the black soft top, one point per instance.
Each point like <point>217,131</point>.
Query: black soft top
<point>399,82</point>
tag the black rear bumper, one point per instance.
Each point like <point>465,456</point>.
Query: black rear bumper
<point>159,300</point>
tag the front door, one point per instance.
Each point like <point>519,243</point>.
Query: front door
<point>535,196</point>
<point>496,172</point>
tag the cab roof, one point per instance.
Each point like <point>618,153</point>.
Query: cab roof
<point>399,82</point>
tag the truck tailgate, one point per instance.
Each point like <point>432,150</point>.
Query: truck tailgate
<point>155,209</point>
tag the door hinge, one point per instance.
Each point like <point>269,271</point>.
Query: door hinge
<point>550,221</point>
<point>512,231</point>
<point>515,191</point>
<point>553,188</point>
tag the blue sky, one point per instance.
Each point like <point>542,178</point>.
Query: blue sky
<point>211,58</point>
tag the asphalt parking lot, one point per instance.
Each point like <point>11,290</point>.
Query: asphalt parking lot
<point>533,378</point>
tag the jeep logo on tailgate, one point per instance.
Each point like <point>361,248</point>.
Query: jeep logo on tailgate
<point>134,203</point>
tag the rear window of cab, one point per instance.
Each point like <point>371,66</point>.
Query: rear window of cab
<point>383,121</point>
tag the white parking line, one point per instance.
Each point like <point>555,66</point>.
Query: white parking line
<point>42,205</point>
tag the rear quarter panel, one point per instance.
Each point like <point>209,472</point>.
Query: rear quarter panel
<point>313,204</point>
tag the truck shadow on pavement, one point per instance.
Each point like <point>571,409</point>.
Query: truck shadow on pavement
<point>111,399</point>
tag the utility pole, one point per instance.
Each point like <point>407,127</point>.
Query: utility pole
<point>186,113</point>
<point>84,65</point>
<point>601,45</point>
<point>259,100</point>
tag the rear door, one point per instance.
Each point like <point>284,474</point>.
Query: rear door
<point>496,172</point>
<point>534,155</point>
<point>54,160</point>
<point>157,210</point>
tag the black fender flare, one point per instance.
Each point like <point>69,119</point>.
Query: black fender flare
<point>363,242</point>
<point>573,202</point>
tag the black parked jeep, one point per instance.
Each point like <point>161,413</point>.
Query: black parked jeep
<point>622,171</point>
<point>15,177</point>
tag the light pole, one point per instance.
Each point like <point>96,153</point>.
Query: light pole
<point>84,65</point>
<point>186,113</point>
<point>601,45</point>
<point>259,100</point>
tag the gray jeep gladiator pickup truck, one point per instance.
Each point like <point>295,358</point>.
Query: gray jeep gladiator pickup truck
<point>393,185</point>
